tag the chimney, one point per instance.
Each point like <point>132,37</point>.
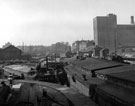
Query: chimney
<point>132,19</point>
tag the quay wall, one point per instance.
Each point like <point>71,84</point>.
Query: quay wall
<point>79,85</point>
<point>103,92</point>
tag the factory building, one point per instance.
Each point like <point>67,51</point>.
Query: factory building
<point>108,34</point>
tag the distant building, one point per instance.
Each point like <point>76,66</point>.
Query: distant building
<point>10,53</point>
<point>107,34</point>
<point>75,46</point>
<point>104,53</point>
<point>81,45</point>
<point>96,51</point>
<point>6,45</point>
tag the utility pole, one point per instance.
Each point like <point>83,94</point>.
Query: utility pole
<point>23,47</point>
<point>115,41</point>
<point>47,62</point>
<point>55,57</point>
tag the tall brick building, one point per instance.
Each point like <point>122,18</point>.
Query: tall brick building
<point>108,34</point>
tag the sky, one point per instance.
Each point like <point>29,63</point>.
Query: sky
<point>45,22</point>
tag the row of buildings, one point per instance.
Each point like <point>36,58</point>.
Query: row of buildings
<point>88,48</point>
<point>117,38</point>
<point>107,35</point>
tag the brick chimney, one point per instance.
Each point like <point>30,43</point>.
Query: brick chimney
<point>132,19</point>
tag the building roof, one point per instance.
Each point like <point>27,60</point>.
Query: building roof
<point>78,75</point>
<point>116,69</point>
<point>90,48</point>
<point>95,64</point>
<point>126,75</point>
<point>123,93</point>
<point>126,26</point>
<point>11,46</point>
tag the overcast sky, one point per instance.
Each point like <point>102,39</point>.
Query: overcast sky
<point>44,22</point>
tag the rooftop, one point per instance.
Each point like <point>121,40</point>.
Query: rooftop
<point>117,69</point>
<point>95,64</point>
<point>126,75</point>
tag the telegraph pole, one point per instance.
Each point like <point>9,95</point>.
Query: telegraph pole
<point>23,47</point>
<point>47,62</point>
<point>115,41</point>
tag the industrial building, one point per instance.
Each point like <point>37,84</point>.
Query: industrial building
<point>108,34</point>
<point>10,53</point>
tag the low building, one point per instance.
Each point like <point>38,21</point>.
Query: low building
<point>10,53</point>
